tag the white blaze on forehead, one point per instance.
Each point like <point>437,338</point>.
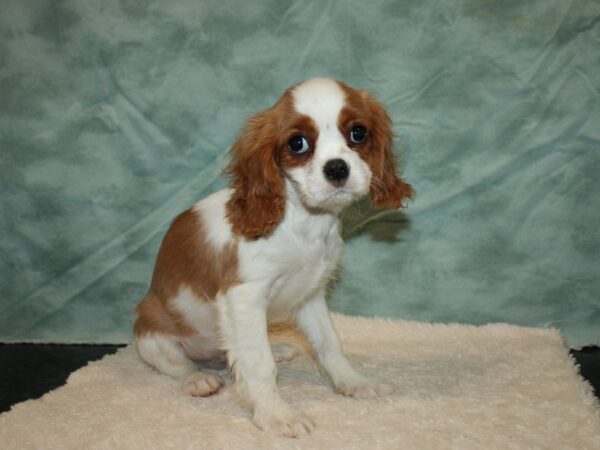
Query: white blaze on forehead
<point>322,99</point>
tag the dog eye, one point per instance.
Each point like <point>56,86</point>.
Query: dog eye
<point>358,134</point>
<point>298,144</point>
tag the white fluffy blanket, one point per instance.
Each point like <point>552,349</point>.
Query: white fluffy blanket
<point>456,386</point>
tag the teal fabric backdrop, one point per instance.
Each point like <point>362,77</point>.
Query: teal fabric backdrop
<point>115,116</point>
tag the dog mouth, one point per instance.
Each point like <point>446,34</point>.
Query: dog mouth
<point>332,198</point>
<point>340,197</point>
<point>341,191</point>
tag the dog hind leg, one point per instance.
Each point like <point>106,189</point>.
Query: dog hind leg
<point>166,355</point>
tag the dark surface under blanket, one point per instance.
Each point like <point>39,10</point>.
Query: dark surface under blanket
<point>31,370</point>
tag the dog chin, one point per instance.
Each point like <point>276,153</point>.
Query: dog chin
<point>334,201</point>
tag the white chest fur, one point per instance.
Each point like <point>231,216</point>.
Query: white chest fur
<point>289,266</point>
<point>296,261</point>
<point>309,266</point>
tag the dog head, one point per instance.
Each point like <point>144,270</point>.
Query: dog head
<point>332,142</point>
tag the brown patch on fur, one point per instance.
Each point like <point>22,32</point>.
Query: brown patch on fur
<point>301,125</point>
<point>387,189</point>
<point>152,315</point>
<point>258,200</point>
<point>258,157</point>
<point>185,260</point>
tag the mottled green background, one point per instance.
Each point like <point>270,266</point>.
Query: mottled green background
<point>115,116</point>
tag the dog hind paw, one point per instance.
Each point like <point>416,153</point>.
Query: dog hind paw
<point>283,352</point>
<point>202,384</point>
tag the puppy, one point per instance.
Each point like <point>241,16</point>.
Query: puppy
<point>261,252</point>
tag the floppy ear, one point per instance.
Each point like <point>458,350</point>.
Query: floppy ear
<point>387,189</point>
<point>257,203</point>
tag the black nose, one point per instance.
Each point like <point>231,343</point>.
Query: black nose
<point>336,171</point>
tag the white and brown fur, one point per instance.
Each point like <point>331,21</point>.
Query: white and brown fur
<point>260,253</point>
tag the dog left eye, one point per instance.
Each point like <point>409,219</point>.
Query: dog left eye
<point>358,134</point>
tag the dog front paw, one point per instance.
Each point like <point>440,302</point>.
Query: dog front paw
<point>283,420</point>
<point>362,388</point>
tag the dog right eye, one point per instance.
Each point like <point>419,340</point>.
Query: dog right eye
<point>298,144</point>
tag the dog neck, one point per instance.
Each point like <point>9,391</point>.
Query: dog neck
<point>306,220</point>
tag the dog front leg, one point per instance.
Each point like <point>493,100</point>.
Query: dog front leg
<point>243,324</point>
<point>314,321</point>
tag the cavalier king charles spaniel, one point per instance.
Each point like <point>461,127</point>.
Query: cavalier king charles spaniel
<point>245,259</point>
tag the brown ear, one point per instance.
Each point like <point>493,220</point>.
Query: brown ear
<point>257,203</point>
<point>387,189</point>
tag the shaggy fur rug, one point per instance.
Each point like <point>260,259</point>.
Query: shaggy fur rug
<point>455,386</point>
